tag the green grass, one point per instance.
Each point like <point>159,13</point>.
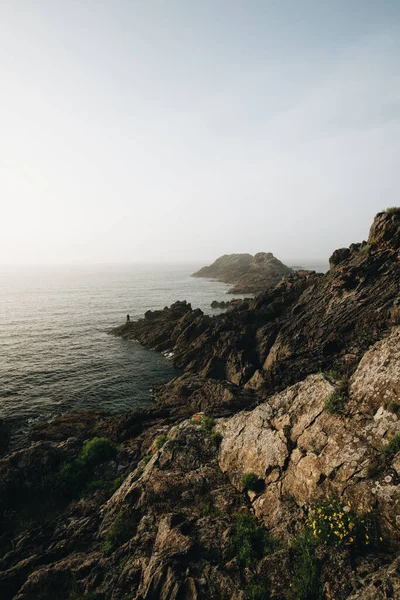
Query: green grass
<point>257,591</point>
<point>393,446</point>
<point>306,582</point>
<point>121,531</point>
<point>333,374</point>
<point>204,501</point>
<point>393,407</point>
<point>207,424</point>
<point>335,403</point>
<point>161,440</point>
<point>249,542</point>
<point>253,483</point>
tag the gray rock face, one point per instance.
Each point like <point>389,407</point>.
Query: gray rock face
<point>305,453</point>
<point>385,231</point>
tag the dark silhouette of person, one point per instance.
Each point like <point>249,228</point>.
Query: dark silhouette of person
<point>128,318</point>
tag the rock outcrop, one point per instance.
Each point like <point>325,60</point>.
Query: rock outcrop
<point>307,322</point>
<point>248,274</point>
<point>269,469</point>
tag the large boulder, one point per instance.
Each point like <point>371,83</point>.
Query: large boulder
<point>385,230</point>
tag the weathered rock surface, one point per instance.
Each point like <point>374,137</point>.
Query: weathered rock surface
<point>252,400</point>
<point>249,274</point>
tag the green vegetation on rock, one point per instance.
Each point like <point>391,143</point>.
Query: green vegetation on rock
<point>307,583</point>
<point>74,477</point>
<point>121,531</point>
<point>252,482</point>
<point>335,403</point>
<point>248,541</point>
<point>161,440</point>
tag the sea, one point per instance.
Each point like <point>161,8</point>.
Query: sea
<point>56,353</point>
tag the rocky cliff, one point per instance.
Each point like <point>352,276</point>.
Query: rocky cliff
<point>268,470</point>
<point>248,274</point>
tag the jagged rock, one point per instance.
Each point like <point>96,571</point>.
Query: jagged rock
<point>304,453</point>
<point>385,231</point>
<point>307,321</point>
<point>380,585</point>
<point>377,380</point>
<point>339,256</point>
<point>190,394</point>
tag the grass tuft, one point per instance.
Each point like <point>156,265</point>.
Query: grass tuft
<point>335,403</point>
<point>161,440</point>
<point>121,531</point>
<point>248,541</point>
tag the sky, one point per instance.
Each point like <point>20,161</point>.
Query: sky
<point>180,130</point>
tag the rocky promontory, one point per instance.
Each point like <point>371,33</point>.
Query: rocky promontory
<point>248,274</point>
<point>268,470</point>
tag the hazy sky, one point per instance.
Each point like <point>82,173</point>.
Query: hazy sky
<point>184,129</point>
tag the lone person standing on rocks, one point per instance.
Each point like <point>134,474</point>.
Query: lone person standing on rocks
<point>128,318</point>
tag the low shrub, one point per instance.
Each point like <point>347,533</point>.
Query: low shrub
<point>73,478</point>
<point>161,440</point>
<point>207,424</point>
<point>333,523</point>
<point>253,483</point>
<point>257,591</point>
<point>216,438</point>
<point>121,531</point>
<point>365,248</point>
<point>97,451</point>
<point>307,584</point>
<point>248,541</point>
<point>335,403</point>
<point>332,374</point>
<point>393,407</point>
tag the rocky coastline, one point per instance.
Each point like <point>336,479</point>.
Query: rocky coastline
<point>269,470</point>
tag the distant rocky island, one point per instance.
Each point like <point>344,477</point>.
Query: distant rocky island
<point>269,469</point>
<point>247,273</point>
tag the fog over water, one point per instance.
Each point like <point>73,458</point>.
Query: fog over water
<point>182,130</point>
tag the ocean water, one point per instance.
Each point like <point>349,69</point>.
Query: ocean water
<point>55,353</point>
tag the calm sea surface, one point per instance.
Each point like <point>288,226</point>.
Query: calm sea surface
<point>55,353</point>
